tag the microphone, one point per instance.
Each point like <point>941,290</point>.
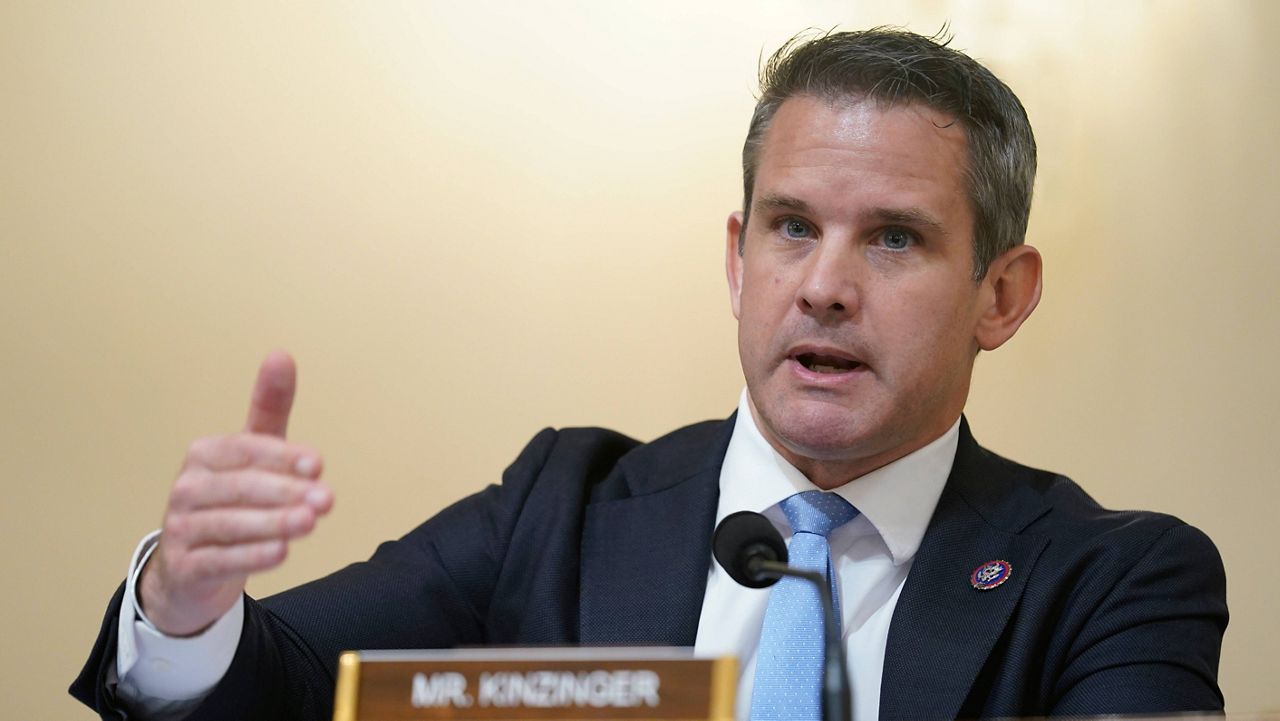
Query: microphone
<point>752,552</point>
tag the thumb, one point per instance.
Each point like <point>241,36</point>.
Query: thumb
<point>272,395</point>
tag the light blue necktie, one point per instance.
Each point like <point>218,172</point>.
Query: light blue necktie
<point>788,683</point>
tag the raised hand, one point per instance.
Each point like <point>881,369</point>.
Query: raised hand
<point>238,501</point>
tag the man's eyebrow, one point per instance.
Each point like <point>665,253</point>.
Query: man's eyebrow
<point>906,216</point>
<point>894,216</point>
<point>775,201</point>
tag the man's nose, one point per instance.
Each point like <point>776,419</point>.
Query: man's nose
<point>829,289</point>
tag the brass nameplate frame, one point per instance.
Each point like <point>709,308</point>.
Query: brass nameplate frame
<point>534,683</point>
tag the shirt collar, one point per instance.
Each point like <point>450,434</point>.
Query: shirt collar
<point>898,499</point>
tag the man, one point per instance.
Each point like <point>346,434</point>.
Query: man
<point>880,248</point>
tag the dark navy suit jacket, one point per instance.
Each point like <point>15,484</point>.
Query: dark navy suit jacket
<point>593,538</point>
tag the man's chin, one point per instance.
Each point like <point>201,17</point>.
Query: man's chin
<point>817,428</point>
<point>824,446</point>
<point>821,436</point>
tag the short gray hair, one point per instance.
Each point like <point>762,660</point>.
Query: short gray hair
<point>890,65</point>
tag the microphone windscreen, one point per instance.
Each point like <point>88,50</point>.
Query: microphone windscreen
<point>742,536</point>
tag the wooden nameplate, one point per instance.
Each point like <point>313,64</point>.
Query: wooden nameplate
<point>534,683</point>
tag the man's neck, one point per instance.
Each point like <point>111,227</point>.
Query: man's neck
<point>831,473</point>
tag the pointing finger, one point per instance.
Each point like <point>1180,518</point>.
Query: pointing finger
<point>272,395</point>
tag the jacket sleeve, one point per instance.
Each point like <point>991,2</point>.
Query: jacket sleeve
<point>429,589</point>
<point>1151,641</point>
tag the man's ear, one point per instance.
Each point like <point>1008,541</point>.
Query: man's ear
<point>733,261</point>
<point>1011,290</point>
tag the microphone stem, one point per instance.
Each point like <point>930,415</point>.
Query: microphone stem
<point>837,701</point>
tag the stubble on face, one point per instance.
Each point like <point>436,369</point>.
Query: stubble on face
<point>854,293</point>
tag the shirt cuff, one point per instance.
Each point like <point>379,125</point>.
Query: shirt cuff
<point>152,665</point>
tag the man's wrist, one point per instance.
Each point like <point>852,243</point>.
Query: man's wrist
<point>185,668</point>
<point>154,666</point>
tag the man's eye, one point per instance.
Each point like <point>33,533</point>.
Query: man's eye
<point>796,229</point>
<point>897,238</point>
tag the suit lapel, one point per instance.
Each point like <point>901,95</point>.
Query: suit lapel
<point>645,555</point>
<point>943,628</point>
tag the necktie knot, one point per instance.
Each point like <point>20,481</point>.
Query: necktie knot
<point>817,512</point>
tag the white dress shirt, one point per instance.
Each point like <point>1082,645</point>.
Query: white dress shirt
<point>161,676</point>
<point>164,677</point>
<point>871,555</point>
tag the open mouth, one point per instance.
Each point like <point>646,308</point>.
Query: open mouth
<point>819,363</point>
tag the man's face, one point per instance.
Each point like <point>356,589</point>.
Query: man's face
<point>855,296</point>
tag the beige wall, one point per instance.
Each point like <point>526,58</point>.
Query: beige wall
<point>470,223</point>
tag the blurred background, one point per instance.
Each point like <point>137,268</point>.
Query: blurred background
<point>471,220</point>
